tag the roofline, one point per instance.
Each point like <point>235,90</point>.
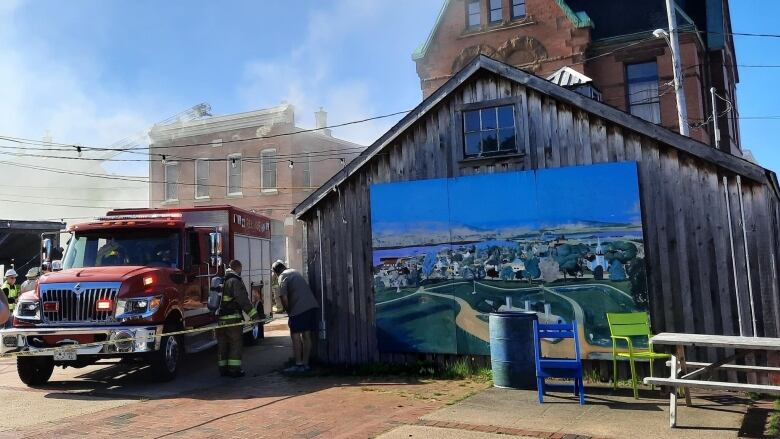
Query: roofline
<point>578,19</point>
<point>228,122</point>
<point>481,62</point>
<point>318,132</point>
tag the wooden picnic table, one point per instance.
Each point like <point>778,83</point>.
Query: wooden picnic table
<point>697,378</point>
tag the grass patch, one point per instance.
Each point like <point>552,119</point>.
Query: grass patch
<point>773,422</point>
<point>456,370</point>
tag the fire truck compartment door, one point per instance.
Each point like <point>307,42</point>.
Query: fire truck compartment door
<point>253,254</point>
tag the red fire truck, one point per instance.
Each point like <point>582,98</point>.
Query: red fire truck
<point>131,276</point>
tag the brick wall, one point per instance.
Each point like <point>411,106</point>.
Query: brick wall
<point>277,204</point>
<point>546,40</point>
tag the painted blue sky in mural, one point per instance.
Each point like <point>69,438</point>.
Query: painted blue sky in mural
<point>583,195</point>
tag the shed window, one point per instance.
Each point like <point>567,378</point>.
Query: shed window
<point>642,91</point>
<point>489,131</point>
<point>518,8</point>
<point>171,181</point>
<point>234,174</point>
<point>268,169</point>
<point>496,11</point>
<point>472,14</point>
<point>201,178</point>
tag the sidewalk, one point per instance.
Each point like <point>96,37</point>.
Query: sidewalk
<point>271,405</point>
<point>605,415</point>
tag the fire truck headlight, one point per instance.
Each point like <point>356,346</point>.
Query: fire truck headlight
<point>138,307</point>
<point>28,309</point>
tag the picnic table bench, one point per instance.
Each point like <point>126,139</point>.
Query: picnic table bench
<point>698,378</point>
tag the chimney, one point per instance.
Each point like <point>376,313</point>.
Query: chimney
<point>321,118</point>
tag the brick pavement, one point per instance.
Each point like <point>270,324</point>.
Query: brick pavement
<point>268,406</point>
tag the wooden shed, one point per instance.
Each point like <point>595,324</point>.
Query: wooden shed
<point>710,219</point>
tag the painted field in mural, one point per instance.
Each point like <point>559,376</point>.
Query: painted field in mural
<point>565,243</point>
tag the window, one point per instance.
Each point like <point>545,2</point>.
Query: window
<point>268,170</point>
<point>234,174</point>
<point>473,17</point>
<point>171,181</point>
<point>642,91</point>
<point>201,178</point>
<point>123,247</point>
<point>489,130</point>
<point>496,11</point>
<point>518,9</point>
<point>306,165</point>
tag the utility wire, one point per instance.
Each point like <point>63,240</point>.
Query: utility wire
<point>271,136</point>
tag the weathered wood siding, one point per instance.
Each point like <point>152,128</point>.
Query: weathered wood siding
<point>691,261</point>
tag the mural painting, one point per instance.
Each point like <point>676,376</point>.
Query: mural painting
<point>563,243</point>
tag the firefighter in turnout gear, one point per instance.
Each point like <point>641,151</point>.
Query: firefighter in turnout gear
<point>10,290</point>
<point>235,299</point>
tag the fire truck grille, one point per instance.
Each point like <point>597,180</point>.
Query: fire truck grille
<point>77,303</point>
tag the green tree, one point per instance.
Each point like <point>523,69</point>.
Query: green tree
<point>623,251</point>
<point>506,273</point>
<point>598,273</point>
<point>638,278</point>
<point>532,270</point>
<point>616,270</point>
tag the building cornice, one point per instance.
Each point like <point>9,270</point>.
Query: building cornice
<point>232,122</point>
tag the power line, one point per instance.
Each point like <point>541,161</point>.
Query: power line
<point>741,34</point>
<point>21,140</point>
<point>27,202</point>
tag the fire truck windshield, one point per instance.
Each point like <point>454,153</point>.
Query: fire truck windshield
<point>117,247</point>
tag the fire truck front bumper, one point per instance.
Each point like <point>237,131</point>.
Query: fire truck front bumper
<point>72,342</point>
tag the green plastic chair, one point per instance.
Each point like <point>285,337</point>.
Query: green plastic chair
<point>627,327</point>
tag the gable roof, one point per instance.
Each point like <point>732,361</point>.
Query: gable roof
<point>482,62</point>
<point>578,19</point>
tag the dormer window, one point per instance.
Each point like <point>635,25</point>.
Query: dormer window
<point>489,131</point>
<point>518,9</point>
<point>496,11</point>
<point>473,15</point>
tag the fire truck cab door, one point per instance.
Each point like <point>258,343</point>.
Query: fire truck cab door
<point>197,289</point>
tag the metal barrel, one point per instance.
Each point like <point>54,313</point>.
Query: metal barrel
<point>512,349</point>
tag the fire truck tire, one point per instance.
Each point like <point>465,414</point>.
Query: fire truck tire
<point>165,362</point>
<point>254,336</point>
<point>34,371</point>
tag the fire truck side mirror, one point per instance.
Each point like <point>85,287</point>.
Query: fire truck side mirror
<point>46,249</point>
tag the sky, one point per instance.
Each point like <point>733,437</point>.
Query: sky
<point>607,193</point>
<point>94,72</point>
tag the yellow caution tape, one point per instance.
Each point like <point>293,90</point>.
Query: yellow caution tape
<point>37,352</point>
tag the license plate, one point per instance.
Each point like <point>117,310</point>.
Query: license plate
<point>65,355</point>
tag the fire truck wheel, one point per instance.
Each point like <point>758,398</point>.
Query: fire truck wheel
<point>254,336</point>
<point>34,371</point>
<point>165,362</point>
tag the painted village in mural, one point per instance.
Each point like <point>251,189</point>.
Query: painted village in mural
<point>563,243</point>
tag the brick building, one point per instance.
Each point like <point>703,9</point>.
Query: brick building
<point>247,160</point>
<point>610,42</point>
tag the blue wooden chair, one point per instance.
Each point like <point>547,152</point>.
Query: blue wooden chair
<point>547,367</point>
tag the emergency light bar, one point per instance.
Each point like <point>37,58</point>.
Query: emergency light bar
<point>140,216</point>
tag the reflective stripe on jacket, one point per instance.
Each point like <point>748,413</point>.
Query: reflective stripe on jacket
<point>11,292</point>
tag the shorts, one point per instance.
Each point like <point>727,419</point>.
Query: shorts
<point>304,322</point>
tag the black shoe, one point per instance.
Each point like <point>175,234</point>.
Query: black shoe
<point>237,373</point>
